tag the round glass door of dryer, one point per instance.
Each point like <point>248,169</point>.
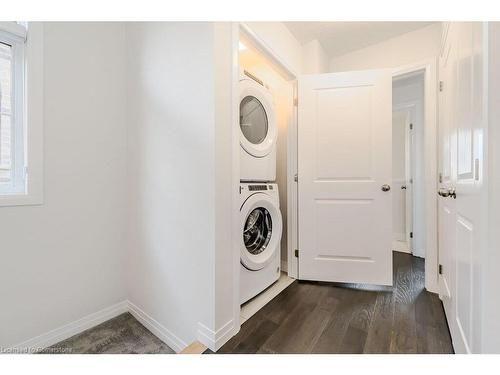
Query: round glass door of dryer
<point>258,128</point>
<point>253,120</point>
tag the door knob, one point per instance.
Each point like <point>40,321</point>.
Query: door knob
<point>452,193</point>
<point>443,192</point>
<point>447,192</point>
<point>385,187</point>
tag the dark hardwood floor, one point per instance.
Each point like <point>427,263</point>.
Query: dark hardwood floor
<point>310,317</point>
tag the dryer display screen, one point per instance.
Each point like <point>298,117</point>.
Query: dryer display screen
<point>257,231</point>
<point>257,187</point>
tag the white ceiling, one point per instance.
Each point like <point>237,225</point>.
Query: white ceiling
<point>338,38</point>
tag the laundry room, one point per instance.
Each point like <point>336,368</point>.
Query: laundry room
<point>266,115</point>
<point>277,187</point>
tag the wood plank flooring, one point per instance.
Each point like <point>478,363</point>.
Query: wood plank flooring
<point>310,317</point>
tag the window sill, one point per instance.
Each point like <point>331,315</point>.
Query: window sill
<point>20,200</point>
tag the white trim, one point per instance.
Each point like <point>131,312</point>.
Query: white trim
<point>429,67</point>
<point>490,259</point>
<point>292,192</point>
<point>156,328</point>
<point>14,28</point>
<point>17,182</point>
<point>68,330</point>
<point>235,206</point>
<point>33,128</point>
<point>215,339</point>
<point>410,161</point>
<point>251,307</point>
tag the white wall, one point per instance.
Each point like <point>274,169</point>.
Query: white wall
<point>179,127</point>
<point>314,58</point>
<point>64,259</point>
<point>405,49</point>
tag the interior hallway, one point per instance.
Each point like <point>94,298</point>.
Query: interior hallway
<point>310,317</point>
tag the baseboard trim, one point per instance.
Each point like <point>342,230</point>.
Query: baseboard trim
<point>157,328</point>
<point>66,331</point>
<point>215,339</point>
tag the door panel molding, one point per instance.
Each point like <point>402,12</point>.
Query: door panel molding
<point>344,140</point>
<point>462,223</point>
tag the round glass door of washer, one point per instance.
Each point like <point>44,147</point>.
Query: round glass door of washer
<point>261,229</point>
<point>257,231</point>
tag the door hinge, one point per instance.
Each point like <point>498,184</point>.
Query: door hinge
<point>411,234</point>
<point>296,177</point>
<point>440,269</point>
<point>441,85</point>
<point>296,253</point>
<point>411,126</point>
<point>440,177</point>
<point>296,102</point>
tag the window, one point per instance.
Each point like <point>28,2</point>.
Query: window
<point>12,144</point>
<point>21,113</point>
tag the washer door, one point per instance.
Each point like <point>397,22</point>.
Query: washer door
<point>261,228</point>
<point>258,132</point>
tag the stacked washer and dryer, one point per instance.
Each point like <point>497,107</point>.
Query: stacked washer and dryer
<point>261,222</point>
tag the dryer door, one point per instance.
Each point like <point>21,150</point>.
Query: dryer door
<point>258,132</point>
<point>261,227</point>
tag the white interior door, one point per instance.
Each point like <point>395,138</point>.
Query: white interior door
<point>345,168</point>
<point>462,190</point>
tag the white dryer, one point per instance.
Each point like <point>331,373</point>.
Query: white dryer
<point>261,228</point>
<point>258,131</point>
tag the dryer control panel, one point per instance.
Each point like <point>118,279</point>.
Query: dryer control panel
<point>259,187</point>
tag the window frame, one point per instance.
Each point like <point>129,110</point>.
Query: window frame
<point>18,166</point>
<point>29,132</point>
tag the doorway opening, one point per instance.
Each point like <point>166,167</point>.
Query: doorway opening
<point>288,180</point>
<point>260,285</point>
<point>408,116</point>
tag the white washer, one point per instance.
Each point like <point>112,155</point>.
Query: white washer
<point>261,228</point>
<point>258,131</point>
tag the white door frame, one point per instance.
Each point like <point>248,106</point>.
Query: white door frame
<point>243,31</point>
<point>409,176</point>
<point>429,68</point>
<point>410,155</point>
